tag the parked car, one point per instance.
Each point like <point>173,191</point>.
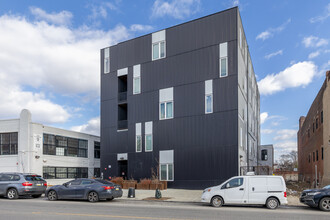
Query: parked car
<point>92,190</point>
<point>250,189</point>
<point>13,185</point>
<point>317,198</point>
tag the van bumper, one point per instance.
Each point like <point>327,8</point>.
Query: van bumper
<point>205,198</point>
<point>284,201</point>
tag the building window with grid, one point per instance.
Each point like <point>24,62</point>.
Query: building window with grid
<point>97,172</point>
<point>138,137</point>
<point>223,61</point>
<point>49,144</point>
<point>8,143</point>
<point>208,96</point>
<point>106,60</point>
<point>148,136</point>
<point>65,172</point>
<point>166,104</point>
<point>97,149</point>
<point>166,172</point>
<point>264,154</point>
<point>158,45</point>
<point>137,79</point>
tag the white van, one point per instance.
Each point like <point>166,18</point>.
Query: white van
<point>251,189</point>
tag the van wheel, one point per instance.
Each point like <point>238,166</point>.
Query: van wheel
<point>12,193</point>
<point>216,201</point>
<point>272,203</point>
<point>324,204</point>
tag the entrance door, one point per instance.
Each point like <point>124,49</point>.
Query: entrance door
<point>122,168</point>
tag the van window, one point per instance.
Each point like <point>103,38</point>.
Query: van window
<point>9,177</point>
<point>233,183</point>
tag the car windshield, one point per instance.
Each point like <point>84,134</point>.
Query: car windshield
<point>326,187</point>
<point>104,182</point>
<point>33,178</point>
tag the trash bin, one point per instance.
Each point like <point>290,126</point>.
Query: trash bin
<point>131,192</point>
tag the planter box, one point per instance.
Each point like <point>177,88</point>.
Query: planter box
<point>164,183</point>
<point>142,186</point>
<point>154,186</point>
<point>128,184</point>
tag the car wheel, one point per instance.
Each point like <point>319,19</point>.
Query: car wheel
<point>93,197</point>
<point>52,195</point>
<point>109,199</point>
<point>324,204</point>
<point>216,201</point>
<point>272,203</point>
<point>12,193</point>
<point>36,196</point>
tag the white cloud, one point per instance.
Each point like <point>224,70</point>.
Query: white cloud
<point>285,134</point>
<point>141,28</point>
<point>267,131</point>
<point>297,75</point>
<point>263,117</point>
<point>314,54</point>
<point>279,52</point>
<point>92,127</point>
<point>101,11</point>
<point>178,9</point>
<point>322,17</point>
<point>314,42</point>
<point>61,18</point>
<point>284,148</point>
<point>271,31</point>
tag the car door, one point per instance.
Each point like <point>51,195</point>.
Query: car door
<point>68,190</point>
<point>234,191</point>
<point>258,190</point>
<point>83,188</point>
<point>2,185</point>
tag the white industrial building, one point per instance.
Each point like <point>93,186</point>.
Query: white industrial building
<point>56,154</point>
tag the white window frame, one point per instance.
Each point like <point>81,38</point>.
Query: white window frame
<point>106,53</point>
<point>159,50</point>
<point>148,132</point>
<point>223,55</point>
<point>206,112</point>
<point>221,66</point>
<point>167,171</point>
<point>138,133</point>
<point>137,75</point>
<point>165,116</point>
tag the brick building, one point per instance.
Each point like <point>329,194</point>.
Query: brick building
<point>314,139</point>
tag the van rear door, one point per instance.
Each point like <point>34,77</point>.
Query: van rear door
<point>257,190</point>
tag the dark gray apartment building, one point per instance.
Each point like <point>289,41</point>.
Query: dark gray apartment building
<point>181,103</point>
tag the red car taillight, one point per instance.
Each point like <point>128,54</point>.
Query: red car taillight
<point>45,184</point>
<point>27,184</point>
<point>107,187</point>
<point>285,194</point>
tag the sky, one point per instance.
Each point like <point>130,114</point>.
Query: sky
<point>50,55</point>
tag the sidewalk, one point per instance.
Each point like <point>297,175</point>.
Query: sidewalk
<point>182,195</point>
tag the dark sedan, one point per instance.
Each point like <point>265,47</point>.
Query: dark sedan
<point>317,198</point>
<point>92,190</point>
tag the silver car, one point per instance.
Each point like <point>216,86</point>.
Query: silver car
<point>13,185</point>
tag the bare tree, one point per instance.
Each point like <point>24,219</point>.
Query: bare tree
<point>288,162</point>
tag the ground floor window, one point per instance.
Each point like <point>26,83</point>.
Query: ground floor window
<point>166,172</point>
<point>97,172</point>
<point>8,143</point>
<point>65,172</point>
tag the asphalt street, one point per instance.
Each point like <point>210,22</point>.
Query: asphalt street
<point>27,208</point>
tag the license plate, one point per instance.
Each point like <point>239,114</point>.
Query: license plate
<point>38,184</point>
<point>117,188</point>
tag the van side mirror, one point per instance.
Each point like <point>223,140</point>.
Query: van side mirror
<point>227,185</point>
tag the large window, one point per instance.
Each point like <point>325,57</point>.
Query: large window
<point>264,154</point>
<point>166,172</point>
<point>158,45</point>
<point>8,143</point>
<point>148,136</point>
<point>223,61</point>
<point>138,137</point>
<point>97,149</point>
<point>106,60</point>
<point>208,96</point>
<point>65,172</point>
<point>97,172</point>
<point>64,146</point>
<point>166,104</point>
<point>137,79</point>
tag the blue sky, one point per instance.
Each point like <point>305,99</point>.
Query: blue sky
<point>49,55</point>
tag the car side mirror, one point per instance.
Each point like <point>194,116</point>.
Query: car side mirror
<point>227,185</point>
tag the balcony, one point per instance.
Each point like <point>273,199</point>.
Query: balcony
<point>122,97</point>
<point>122,125</point>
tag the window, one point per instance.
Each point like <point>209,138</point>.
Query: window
<point>223,60</point>
<point>158,45</point>
<point>313,156</point>
<point>65,172</point>
<point>9,177</point>
<point>8,143</point>
<point>264,154</point>
<point>64,146</point>
<point>148,136</point>
<point>97,149</point>
<point>313,127</point>
<point>241,137</point>
<point>137,79</point>
<point>208,96</point>
<point>309,158</point>
<point>317,123</point>
<point>138,137</point>
<point>321,117</point>
<point>233,183</point>
<point>240,38</point>
<point>166,172</point>
<point>166,103</point>
<point>97,172</point>
<point>317,155</point>
<point>322,153</point>
<point>106,60</point>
